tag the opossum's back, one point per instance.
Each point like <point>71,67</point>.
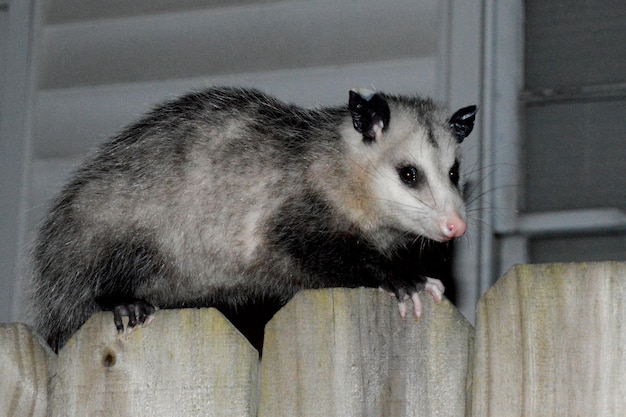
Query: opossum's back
<point>220,139</point>
<point>200,175</point>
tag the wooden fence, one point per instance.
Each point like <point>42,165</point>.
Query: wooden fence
<point>550,340</point>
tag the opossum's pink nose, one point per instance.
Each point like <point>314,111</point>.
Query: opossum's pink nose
<point>453,226</point>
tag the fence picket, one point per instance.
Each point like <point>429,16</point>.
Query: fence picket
<point>347,352</point>
<point>185,363</point>
<point>551,341</point>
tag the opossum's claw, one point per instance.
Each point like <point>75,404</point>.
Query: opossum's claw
<point>436,288</point>
<point>402,296</point>
<point>417,305</point>
<point>402,308</point>
<point>139,313</point>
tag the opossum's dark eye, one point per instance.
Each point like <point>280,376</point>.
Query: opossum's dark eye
<point>410,175</point>
<point>454,173</point>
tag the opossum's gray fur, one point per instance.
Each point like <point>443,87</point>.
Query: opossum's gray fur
<point>228,195</point>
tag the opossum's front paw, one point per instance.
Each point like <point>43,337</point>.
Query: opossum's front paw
<point>403,294</point>
<point>139,313</point>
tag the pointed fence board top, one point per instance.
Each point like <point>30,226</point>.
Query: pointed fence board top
<point>551,341</point>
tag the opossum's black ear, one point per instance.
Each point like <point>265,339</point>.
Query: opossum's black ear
<point>462,122</point>
<point>370,114</point>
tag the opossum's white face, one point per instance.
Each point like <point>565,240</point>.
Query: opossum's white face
<point>416,183</point>
<point>413,166</point>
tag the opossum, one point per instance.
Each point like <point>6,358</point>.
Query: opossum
<point>228,196</point>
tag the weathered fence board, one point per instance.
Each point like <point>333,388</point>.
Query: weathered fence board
<point>551,341</point>
<point>185,363</point>
<point>24,365</point>
<point>344,352</point>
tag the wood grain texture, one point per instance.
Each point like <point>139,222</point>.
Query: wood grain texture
<point>347,352</point>
<point>185,363</point>
<point>24,364</point>
<point>551,341</point>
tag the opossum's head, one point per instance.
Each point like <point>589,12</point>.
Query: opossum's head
<point>409,151</point>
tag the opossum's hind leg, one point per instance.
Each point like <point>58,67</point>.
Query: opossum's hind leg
<point>128,266</point>
<point>139,312</point>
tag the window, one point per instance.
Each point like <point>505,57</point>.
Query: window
<point>574,148</point>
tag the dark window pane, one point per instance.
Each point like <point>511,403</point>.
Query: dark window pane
<point>579,248</point>
<point>575,42</point>
<point>575,154</point>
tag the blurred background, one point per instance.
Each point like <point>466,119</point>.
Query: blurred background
<point>545,166</point>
